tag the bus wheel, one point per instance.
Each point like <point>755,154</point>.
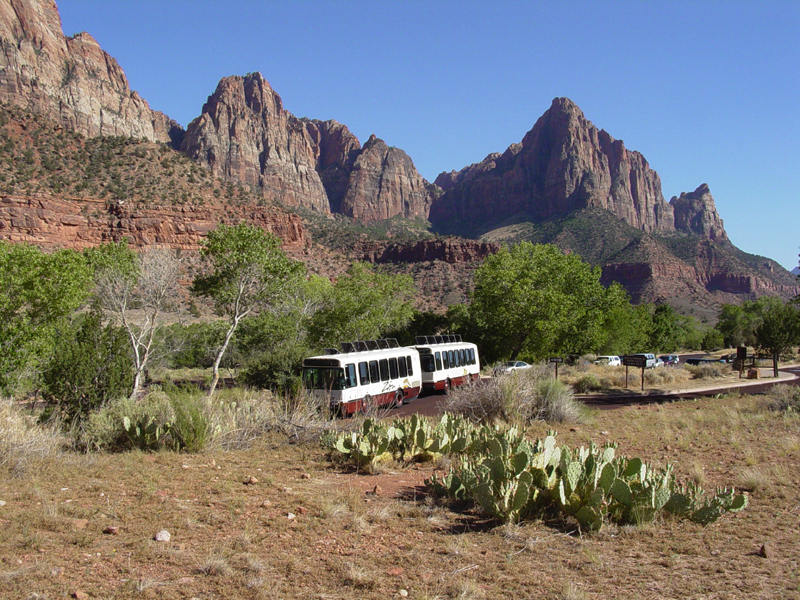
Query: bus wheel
<point>446,387</point>
<point>398,399</point>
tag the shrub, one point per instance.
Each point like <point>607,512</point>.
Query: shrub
<point>23,442</point>
<point>555,402</point>
<point>588,382</point>
<point>486,401</point>
<point>190,429</point>
<point>782,398</point>
<point>529,395</point>
<point>90,366</point>
<point>709,370</point>
<point>105,428</point>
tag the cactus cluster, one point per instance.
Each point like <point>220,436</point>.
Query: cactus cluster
<point>146,433</point>
<point>404,440</point>
<point>512,477</point>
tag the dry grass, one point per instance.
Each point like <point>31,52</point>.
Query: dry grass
<point>306,530</point>
<point>24,445</point>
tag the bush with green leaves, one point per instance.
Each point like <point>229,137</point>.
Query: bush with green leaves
<point>113,427</point>
<point>90,366</point>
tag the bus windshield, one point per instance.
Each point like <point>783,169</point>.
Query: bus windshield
<point>323,378</point>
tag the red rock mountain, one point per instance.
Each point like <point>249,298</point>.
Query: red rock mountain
<point>562,165</point>
<point>245,134</point>
<point>70,79</point>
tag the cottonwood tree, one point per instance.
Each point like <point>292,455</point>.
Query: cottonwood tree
<point>779,329</point>
<point>37,291</point>
<point>536,299</point>
<point>248,271</point>
<point>363,304</point>
<point>136,290</point>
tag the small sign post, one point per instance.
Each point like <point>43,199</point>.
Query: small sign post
<point>634,361</point>
<point>556,360</point>
<point>741,358</point>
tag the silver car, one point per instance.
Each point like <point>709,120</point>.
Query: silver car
<point>510,367</point>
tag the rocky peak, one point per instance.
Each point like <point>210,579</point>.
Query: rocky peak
<point>695,213</point>
<point>384,183</point>
<point>71,80</point>
<point>244,134</point>
<point>563,164</point>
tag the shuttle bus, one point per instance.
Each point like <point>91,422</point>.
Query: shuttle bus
<point>447,361</point>
<point>382,373</point>
<point>362,374</point>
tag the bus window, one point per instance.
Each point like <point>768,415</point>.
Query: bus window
<point>438,361</point>
<point>457,354</point>
<point>363,373</point>
<point>410,366</point>
<point>427,362</point>
<point>374,376</point>
<point>393,374</point>
<point>401,366</point>
<point>463,354</point>
<point>451,359</point>
<point>472,356</point>
<point>384,365</point>
<point>350,376</point>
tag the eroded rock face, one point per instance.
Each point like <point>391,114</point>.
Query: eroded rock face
<point>695,213</point>
<point>71,80</point>
<point>52,222</point>
<point>563,164</point>
<point>452,251</point>
<point>384,183</point>
<point>245,135</point>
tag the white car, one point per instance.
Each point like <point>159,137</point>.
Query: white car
<point>611,361</point>
<point>509,367</point>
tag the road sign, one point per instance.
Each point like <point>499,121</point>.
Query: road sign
<point>634,361</point>
<point>557,359</point>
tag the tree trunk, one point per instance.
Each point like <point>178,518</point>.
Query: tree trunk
<point>775,366</point>
<point>218,360</point>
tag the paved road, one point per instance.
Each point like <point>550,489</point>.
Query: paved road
<point>432,405</point>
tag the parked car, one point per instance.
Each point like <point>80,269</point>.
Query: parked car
<point>510,367</point>
<point>650,359</point>
<point>703,361</point>
<point>670,359</point>
<point>611,360</point>
<point>659,362</point>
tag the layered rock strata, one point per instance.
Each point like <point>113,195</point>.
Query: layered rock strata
<point>80,223</point>
<point>70,79</point>
<point>245,134</point>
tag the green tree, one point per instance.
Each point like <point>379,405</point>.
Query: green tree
<point>136,290</point>
<point>535,299</point>
<point>91,365</point>
<point>363,304</point>
<point>248,271</point>
<point>779,329</point>
<point>37,291</point>
<point>666,334</point>
<point>626,328</point>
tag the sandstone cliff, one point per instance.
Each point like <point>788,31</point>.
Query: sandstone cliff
<point>71,80</point>
<point>59,222</point>
<point>244,134</point>
<point>563,164</point>
<point>695,213</point>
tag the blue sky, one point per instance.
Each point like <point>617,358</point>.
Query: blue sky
<point>707,91</point>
